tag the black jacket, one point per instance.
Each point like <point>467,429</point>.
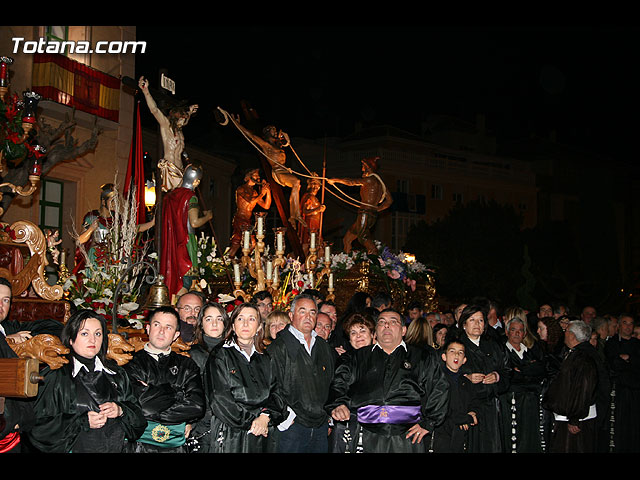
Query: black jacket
<point>303,379</point>
<point>173,393</point>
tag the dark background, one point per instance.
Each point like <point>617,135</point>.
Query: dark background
<point>580,81</point>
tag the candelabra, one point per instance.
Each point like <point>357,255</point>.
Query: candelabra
<point>266,269</point>
<point>28,106</point>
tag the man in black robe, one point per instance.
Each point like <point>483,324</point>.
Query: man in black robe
<point>16,415</point>
<point>303,365</point>
<point>392,394</point>
<point>577,393</point>
<point>521,402</point>
<point>622,353</point>
<point>168,385</point>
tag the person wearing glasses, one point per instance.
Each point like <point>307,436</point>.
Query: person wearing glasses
<point>189,306</point>
<point>392,394</point>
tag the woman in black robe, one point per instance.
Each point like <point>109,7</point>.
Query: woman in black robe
<point>551,341</point>
<point>241,388</point>
<point>212,323</point>
<point>88,404</point>
<point>487,367</point>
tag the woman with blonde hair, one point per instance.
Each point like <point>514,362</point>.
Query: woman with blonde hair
<point>419,333</point>
<point>275,321</point>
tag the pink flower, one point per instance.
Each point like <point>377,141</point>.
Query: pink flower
<point>394,274</point>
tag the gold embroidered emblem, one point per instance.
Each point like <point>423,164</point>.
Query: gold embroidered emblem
<point>384,413</point>
<point>160,433</point>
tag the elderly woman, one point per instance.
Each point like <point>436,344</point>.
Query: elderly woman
<point>86,405</point>
<point>241,388</point>
<point>211,324</point>
<point>521,403</point>
<point>360,330</point>
<point>487,366</point>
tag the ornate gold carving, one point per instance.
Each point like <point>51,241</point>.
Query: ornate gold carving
<point>28,233</point>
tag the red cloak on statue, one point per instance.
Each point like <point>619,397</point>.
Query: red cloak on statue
<point>174,259</point>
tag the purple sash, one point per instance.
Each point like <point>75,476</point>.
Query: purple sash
<point>389,414</point>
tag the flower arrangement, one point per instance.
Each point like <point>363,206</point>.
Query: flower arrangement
<point>399,267</point>
<point>96,284</point>
<point>209,265</point>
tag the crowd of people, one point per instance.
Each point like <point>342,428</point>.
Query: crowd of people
<point>313,379</point>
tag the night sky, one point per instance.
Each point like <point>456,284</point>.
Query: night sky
<point>580,81</point>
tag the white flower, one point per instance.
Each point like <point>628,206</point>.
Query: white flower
<point>153,255</point>
<point>107,293</point>
<point>78,301</point>
<point>125,308</point>
<point>91,290</point>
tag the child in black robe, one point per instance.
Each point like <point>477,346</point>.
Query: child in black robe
<point>451,436</point>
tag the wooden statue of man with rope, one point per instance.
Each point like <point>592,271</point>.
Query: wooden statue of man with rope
<point>272,145</point>
<point>374,199</point>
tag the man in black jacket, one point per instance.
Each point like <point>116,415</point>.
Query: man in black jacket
<point>16,415</point>
<point>168,385</point>
<point>303,364</point>
<point>392,394</point>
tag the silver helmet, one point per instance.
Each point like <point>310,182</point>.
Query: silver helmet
<point>191,177</point>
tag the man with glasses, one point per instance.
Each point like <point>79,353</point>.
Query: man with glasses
<point>188,307</point>
<point>391,394</point>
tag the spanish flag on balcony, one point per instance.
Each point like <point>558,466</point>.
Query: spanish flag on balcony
<point>71,83</point>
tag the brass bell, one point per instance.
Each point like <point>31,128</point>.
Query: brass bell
<point>158,295</point>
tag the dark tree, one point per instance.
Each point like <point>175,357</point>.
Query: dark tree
<point>477,250</point>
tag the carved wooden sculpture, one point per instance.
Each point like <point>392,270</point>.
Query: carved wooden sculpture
<point>44,347</point>
<point>120,350</point>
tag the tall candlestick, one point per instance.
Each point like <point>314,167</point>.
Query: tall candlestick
<point>331,280</point>
<point>327,253</point>
<point>312,242</point>
<point>247,239</point>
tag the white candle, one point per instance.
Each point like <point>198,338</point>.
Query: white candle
<point>247,239</point>
<point>311,278</point>
<point>312,243</point>
<point>280,246</point>
<point>331,280</point>
<point>269,269</point>
<point>260,224</point>
<point>236,272</point>
<point>327,253</point>
<point>276,276</point>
